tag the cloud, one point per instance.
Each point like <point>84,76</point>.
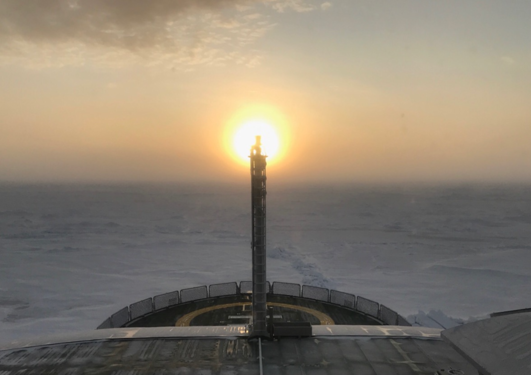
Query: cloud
<point>326,5</point>
<point>295,5</point>
<point>169,32</point>
<point>125,23</point>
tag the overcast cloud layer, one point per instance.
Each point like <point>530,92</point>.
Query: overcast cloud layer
<point>59,32</point>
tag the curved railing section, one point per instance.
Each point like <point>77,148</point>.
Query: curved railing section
<point>164,301</point>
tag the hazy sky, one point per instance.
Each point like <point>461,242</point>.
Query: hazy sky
<point>361,90</point>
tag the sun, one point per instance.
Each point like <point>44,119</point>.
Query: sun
<point>245,136</point>
<point>243,126</point>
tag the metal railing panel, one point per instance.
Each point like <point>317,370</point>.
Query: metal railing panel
<point>314,292</point>
<point>403,321</point>
<point>166,300</point>
<point>120,318</point>
<point>107,323</point>
<point>161,301</point>
<point>368,306</point>
<point>388,316</point>
<point>223,289</point>
<point>246,287</point>
<point>343,299</point>
<point>192,294</point>
<point>287,289</point>
<point>141,308</point>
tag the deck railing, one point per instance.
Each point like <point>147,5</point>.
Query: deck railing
<point>160,302</point>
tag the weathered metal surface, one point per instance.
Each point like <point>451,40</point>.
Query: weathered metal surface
<point>375,356</point>
<point>229,355</point>
<point>510,312</point>
<point>498,346</point>
<point>145,356</point>
<point>131,333</point>
<point>221,331</point>
<point>293,329</point>
<point>377,331</point>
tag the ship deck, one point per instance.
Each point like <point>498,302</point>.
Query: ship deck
<point>369,350</point>
<point>236,310</point>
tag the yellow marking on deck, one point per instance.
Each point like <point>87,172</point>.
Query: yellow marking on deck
<point>324,319</point>
<point>185,320</point>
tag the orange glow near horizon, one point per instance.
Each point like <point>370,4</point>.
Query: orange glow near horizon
<point>242,130</point>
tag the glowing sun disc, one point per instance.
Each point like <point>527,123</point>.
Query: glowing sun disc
<point>245,137</point>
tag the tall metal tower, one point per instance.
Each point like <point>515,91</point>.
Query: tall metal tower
<point>258,198</point>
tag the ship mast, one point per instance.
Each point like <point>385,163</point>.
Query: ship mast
<point>258,244</point>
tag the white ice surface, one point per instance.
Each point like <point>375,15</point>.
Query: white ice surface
<point>70,256</point>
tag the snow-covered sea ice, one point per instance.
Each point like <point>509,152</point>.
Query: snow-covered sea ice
<point>71,255</point>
